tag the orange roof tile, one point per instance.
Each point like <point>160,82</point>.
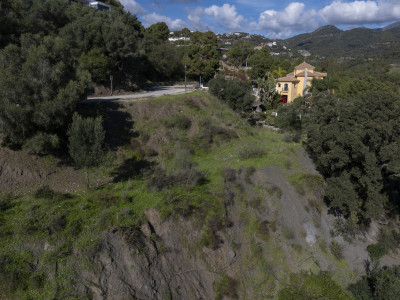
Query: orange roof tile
<point>304,66</point>
<point>288,79</point>
<point>311,74</point>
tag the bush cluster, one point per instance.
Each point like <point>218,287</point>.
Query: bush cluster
<point>235,92</point>
<point>225,286</point>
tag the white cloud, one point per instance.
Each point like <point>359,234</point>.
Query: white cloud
<point>295,17</point>
<point>133,7</point>
<point>153,18</point>
<point>360,12</point>
<point>226,15</point>
<point>281,23</point>
<point>195,17</point>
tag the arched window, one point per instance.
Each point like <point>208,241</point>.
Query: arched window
<point>285,87</point>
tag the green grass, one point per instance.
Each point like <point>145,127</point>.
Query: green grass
<point>394,70</point>
<point>71,223</point>
<point>307,183</point>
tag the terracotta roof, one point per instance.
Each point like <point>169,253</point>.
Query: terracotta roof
<point>303,66</point>
<point>288,79</point>
<point>309,74</point>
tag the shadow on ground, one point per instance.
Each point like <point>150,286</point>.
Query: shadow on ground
<point>117,123</point>
<point>130,168</point>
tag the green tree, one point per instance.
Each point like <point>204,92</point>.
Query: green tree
<point>352,142</point>
<point>261,62</point>
<point>86,138</point>
<point>235,92</point>
<point>205,38</point>
<point>97,64</point>
<point>267,90</point>
<point>164,60</point>
<point>378,284</point>
<point>239,54</point>
<point>159,30</point>
<point>38,93</point>
<point>202,60</point>
<point>280,72</point>
<point>121,39</point>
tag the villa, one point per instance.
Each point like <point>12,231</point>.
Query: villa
<point>295,84</point>
<point>95,4</point>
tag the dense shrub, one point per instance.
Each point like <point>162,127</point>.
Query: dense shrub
<point>228,173</point>
<point>382,284</point>
<point>189,178</point>
<point>235,92</point>
<point>353,143</point>
<point>336,250</point>
<point>178,121</point>
<point>288,117</point>
<point>292,137</point>
<point>210,133</point>
<point>252,151</point>
<point>376,251</point>
<point>225,286</point>
<point>304,286</point>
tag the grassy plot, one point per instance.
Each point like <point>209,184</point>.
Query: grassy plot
<point>176,154</point>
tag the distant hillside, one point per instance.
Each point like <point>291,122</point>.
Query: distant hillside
<point>391,26</point>
<point>231,38</point>
<point>358,42</point>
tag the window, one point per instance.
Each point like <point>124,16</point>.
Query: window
<point>285,87</point>
<point>279,85</point>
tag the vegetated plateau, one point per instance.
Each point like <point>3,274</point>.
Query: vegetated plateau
<point>192,202</point>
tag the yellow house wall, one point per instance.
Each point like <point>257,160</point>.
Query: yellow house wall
<point>296,89</point>
<point>291,93</point>
<point>300,86</point>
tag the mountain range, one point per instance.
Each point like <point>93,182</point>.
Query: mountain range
<point>358,42</point>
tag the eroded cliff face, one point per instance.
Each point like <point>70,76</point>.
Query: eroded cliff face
<point>158,263</point>
<point>265,240</point>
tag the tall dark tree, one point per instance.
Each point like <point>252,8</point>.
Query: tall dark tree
<point>235,92</point>
<point>159,31</point>
<point>38,94</point>
<point>86,138</point>
<point>261,62</point>
<point>353,143</point>
<point>239,54</point>
<point>202,61</point>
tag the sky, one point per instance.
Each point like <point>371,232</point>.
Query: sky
<point>270,18</point>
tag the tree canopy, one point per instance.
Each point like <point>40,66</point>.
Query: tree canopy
<point>355,146</point>
<point>235,92</point>
<point>159,31</point>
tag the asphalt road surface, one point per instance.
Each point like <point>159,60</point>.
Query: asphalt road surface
<point>153,92</point>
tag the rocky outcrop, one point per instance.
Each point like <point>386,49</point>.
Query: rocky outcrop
<point>158,262</point>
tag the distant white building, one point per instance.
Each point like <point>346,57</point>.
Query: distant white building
<point>182,38</point>
<point>95,4</point>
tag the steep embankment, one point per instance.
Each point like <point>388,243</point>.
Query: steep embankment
<point>191,203</point>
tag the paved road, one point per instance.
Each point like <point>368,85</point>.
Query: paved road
<point>150,93</point>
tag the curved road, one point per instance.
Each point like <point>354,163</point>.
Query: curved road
<point>153,92</point>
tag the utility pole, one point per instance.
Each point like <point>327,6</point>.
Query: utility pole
<point>185,79</point>
<point>111,80</point>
